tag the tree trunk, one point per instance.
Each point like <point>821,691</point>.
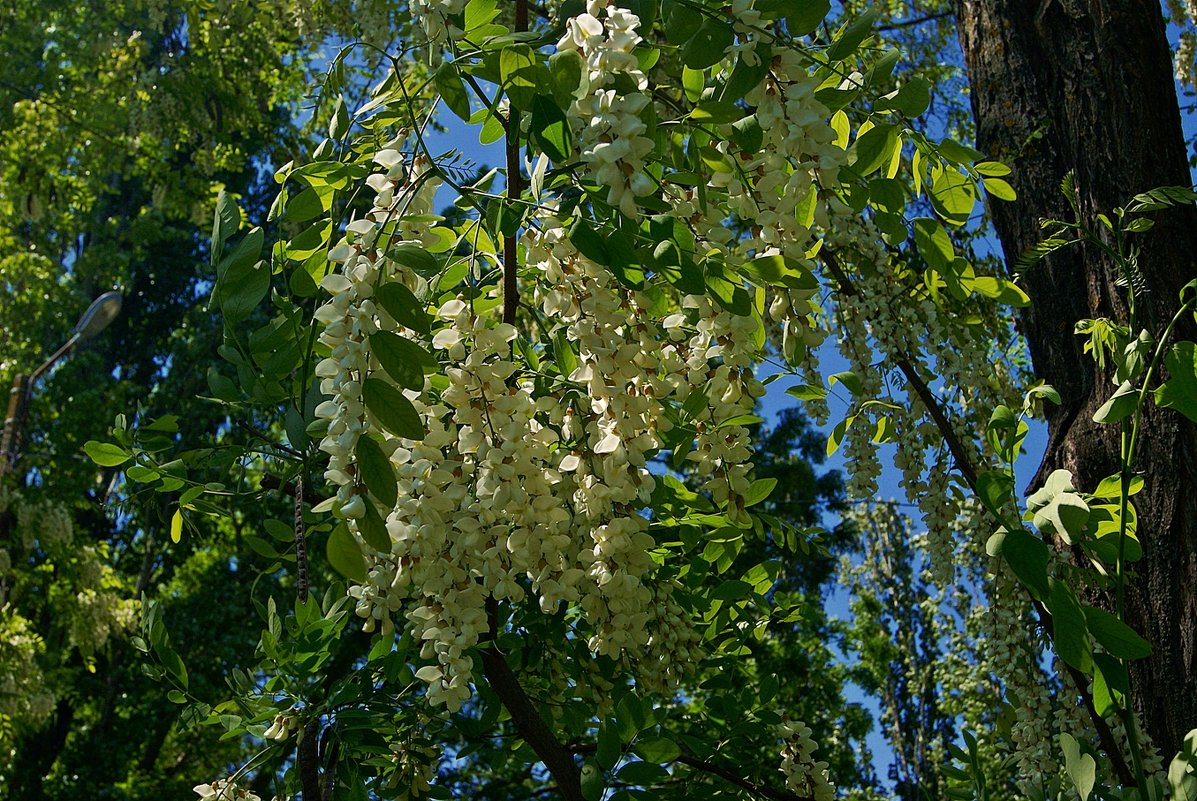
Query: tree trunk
<point>1086,86</point>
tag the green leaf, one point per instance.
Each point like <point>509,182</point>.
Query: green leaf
<point>1110,680</point>
<point>344,554</point>
<point>732,590</point>
<point>374,529</point>
<point>518,70</point>
<point>912,98</point>
<point>889,195</point>
<point>1120,405</point>
<point>593,785</point>
<point>1161,198</point>
<point>1081,768</point>
<point>279,530</point>
<point>678,268</point>
<point>727,290</point>
<point>745,77</point>
<point>338,124</point>
<point>402,305</point>
<point>1065,515</point>
<point>551,130</point>
<point>305,206</point>
<point>452,90</point>
<point>837,434</point>
<point>807,392</point>
<point>417,258</point>
<point>392,409</point>
<point>849,379</point>
<point>176,526</point>
<point>998,188</point>
<point>402,359</point>
<point>682,22</point>
<point>629,716</point>
<point>953,151</point>
<point>1182,772</point>
<point>804,16</point>
<point>716,111</point>
<point>565,76</point>
<point>589,243</point>
<point>992,168</point>
<point>642,774</point>
<point>852,36</point>
<point>1027,556</point>
<point>609,747</point>
<point>143,475</point>
<point>1179,392</point>
<point>1116,637</point>
<point>225,222</point>
<point>261,547</point>
<point>995,489</point>
<point>934,244</point>
<point>874,148</point>
<point>375,471</point>
<point>759,490</point>
<point>778,270</point>
<point>1069,629</point>
<point>660,750</point>
<point>106,454</point>
<point>1001,290</point>
<point>953,197</point>
<point>705,47</point>
<point>242,280</point>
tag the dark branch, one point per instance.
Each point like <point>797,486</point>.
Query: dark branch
<point>764,791</point>
<point>910,23</point>
<point>969,472</point>
<point>528,722</point>
<point>307,759</point>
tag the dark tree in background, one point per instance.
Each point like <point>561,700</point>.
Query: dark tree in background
<point>1086,87</point>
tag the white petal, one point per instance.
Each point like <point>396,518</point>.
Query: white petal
<point>451,309</point>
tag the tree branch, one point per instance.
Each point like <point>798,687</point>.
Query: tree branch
<point>969,473</point>
<point>910,23</point>
<point>511,298</point>
<point>963,464</point>
<point>528,722</point>
<point>757,789</point>
<point>307,760</point>
<point>762,790</point>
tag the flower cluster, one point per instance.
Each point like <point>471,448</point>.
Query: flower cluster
<point>515,489</point>
<point>224,790</point>
<point>283,726</point>
<point>606,110</point>
<point>414,769</point>
<point>433,16</point>
<point>804,776</point>
<point>352,314</point>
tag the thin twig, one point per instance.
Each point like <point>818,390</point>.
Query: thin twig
<point>261,435</point>
<point>757,789</point>
<point>909,23</point>
<point>762,790</point>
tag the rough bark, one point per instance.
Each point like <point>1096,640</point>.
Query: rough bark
<point>1086,86</point>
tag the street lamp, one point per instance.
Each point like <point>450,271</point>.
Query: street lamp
<point>102,311</point>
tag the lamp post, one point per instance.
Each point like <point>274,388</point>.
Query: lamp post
<point>102,311</point>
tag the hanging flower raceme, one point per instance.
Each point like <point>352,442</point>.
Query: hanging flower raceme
<point>804,776</point>
<point>608,106</point>
<point>433,16</point>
